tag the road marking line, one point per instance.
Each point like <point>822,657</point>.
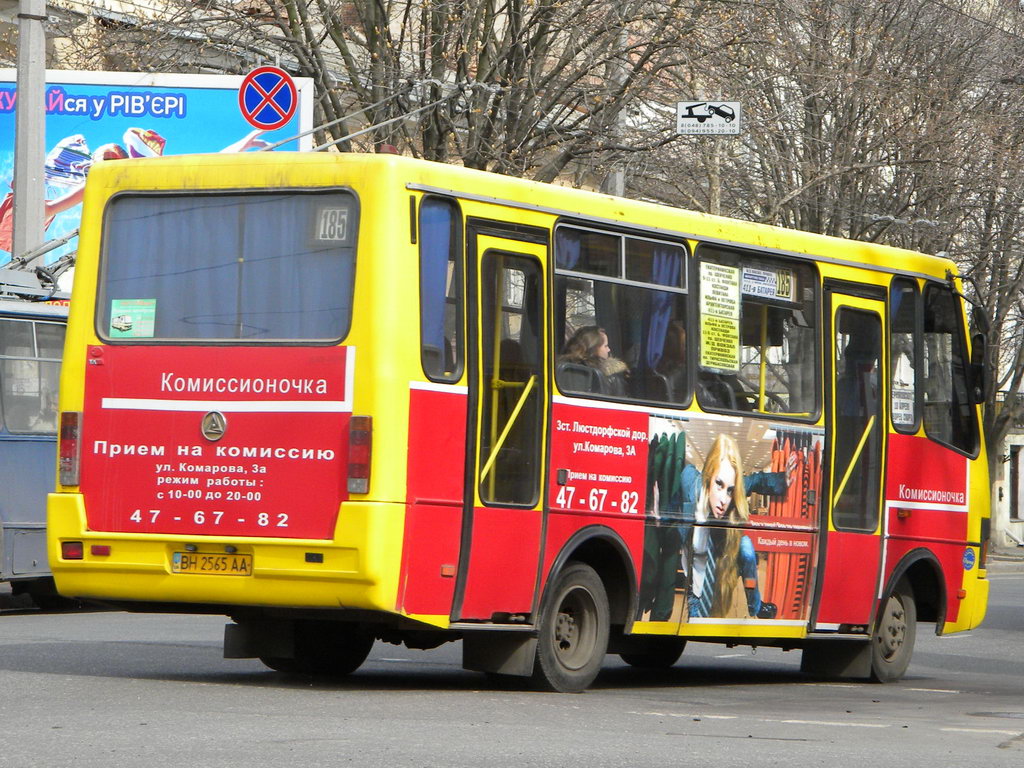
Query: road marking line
<point>688,715</point>
<point>981,730</point>
<point>932,690</point>
<point>830,723</point>
<point>834,685</point>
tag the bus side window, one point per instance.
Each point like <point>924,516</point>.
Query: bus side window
<point>629,292</point>
<point>29,372</point>
<point>757,334</point>
<point>904,354</point>
<point>441,346</point>
<point>949,416</point>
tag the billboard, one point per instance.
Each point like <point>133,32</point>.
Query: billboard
<point>94,116</point>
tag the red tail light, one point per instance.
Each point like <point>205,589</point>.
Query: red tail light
<point>72,550</point>
<point>360,441</point>
<point>70,447</point>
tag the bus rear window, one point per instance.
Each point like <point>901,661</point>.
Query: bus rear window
<point>228,267</point>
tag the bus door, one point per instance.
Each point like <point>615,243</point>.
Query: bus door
<point>852,548</point>
<point>502,526</point>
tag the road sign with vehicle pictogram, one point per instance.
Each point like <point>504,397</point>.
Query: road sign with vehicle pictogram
<point>708,117</point>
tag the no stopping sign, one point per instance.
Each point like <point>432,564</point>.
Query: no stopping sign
<point>267,98</point>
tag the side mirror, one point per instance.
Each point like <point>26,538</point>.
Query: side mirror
<point>979,320</point>
<point>978,371</point>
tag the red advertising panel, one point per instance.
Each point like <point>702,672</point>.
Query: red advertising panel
<point>599,460</point>
<point>923,472</point>
<point>926,495</point>
<point>232,441</point>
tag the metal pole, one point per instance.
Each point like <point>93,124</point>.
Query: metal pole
<point>615,72</point>
<point>30,128</point>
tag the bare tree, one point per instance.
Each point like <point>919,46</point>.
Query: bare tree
<point>535,88</point>
<point>894,121</point>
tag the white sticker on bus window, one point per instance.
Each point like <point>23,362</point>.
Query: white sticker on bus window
<point>903,406</point>
<point>22,378</point>
<point>332,224</point>
<point>132,318</point>
<point>719,317</point>
<point>769,283</point>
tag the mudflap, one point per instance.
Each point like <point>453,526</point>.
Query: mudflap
<point>503,653</point>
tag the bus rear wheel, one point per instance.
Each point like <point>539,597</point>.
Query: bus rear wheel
<point>656,653</point>
<point>324,649</point>
<point>573,630</point>
<point>892,642</point>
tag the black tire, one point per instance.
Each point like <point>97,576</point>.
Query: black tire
<point>892,642</point>
<point>324,649</point>
<point>44,594</point>
<point>658,653</point>
<point>573,630</point>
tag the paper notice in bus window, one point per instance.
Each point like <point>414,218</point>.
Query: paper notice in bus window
<point>719,343</point>
<point>132,318</point>
<point>22,378</point>
<point>776,284</point>
<point>903,406</point>
<point>719,317</point>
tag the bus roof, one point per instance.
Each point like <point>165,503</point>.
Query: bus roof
<point>254,170</point>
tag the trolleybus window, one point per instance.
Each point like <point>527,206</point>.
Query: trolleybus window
<point>948,412</point>
<point>258,267</point>
<point>628,292</point>
<point>30,355</point>
<point>440,290</point>
<point>758,335</point>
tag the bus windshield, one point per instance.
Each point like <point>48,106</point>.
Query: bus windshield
<point>223,267</point>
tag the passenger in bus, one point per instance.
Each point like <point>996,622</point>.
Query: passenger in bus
<point>587,364</point>
<point>715,389</point>
<point>722,559</point>
<point>671,368</point>
<point>722,390</point>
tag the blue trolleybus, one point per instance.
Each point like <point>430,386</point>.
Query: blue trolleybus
<point>32,323</point>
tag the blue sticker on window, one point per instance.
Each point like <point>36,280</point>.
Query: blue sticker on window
<point>968,559</point>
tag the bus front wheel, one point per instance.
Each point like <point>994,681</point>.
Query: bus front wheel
<point>892,642</point>
<point>573,630</point>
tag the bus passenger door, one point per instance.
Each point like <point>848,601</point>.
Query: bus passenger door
<point>502,525</point>
<point>857,380</point>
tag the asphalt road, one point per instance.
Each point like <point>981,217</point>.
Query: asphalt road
<point>114,689</point>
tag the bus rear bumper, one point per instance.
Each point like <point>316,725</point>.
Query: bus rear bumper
<point>296,573</point>
<point>973,608</point>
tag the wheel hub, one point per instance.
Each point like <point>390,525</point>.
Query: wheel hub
<point>566,631</point>
<point>893,632</point>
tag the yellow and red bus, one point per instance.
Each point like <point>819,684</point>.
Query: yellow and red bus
<point>342,398</point>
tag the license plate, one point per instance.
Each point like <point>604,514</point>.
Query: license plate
<point>212,563</point>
